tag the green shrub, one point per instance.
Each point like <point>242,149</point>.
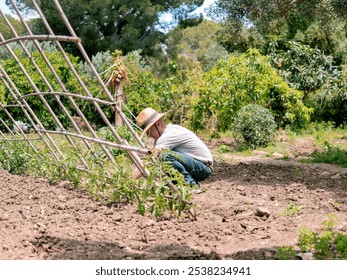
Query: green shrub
<point>328,244</point>
<point>255,126</point>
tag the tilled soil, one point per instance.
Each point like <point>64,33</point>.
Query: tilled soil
<point>240,216</point>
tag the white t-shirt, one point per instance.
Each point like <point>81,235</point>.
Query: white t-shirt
<point>181,139</point>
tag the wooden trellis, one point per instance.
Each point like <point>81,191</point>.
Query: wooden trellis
<point>88,137</point>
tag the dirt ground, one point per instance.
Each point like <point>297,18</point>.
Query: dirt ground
<point>240,216</point>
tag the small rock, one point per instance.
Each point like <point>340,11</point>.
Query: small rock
<point>91,208</point>
<point>262,212</point>
<point>150,224</point>
<point>41,225</point>
<point>4,217</point>
<point>344,228</point>
<point>260,153</point>
<point>109,212</point>
<point>117,218</point>
<point>61,206</point>
<point>277,155</point>
<point>61,198</point>
<point>305,256</point>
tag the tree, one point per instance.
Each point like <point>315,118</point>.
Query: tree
<point>196,43</point>
<point>5,30</point>
<point>126,25</point>
<point>319,23</point>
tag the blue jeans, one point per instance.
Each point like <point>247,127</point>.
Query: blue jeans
<point>192,169</point>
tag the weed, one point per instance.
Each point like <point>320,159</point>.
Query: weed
<point>298,171</point>
<point>223,149</point>
<point>330,223</point>
<point>328,244</point>
<point>285,253</point>
<point>291,210</point>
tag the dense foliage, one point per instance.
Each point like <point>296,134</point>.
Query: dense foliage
<point>318,23</point>
<point>114,24</point>
<point>240,80</point>
<point>314,73</point>
<point>47,107</point>
<point>43,81</point>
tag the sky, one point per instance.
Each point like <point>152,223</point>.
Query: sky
<point>206,4</point>
<point>3,7</point>
<point>167,19</point>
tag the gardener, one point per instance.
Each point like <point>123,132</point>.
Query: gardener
<point>188,154</point>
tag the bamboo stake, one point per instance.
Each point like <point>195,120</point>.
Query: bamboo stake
<point>42,38</point>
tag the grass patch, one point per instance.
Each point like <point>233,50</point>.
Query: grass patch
<point>330,154</point>
<point>291,143</point>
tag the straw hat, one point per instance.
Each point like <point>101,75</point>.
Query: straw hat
<point>147,118</point>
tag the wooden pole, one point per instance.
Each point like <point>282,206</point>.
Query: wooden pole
<point>118,96</point>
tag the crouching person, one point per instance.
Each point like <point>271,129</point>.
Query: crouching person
<point>188,154</point>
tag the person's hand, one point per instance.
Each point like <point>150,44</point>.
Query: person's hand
<point>155,152</point>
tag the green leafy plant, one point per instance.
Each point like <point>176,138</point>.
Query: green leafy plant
<point>15,157</point>
<point>307,239</point>
<point>328,244</point>
<point>254,126</point>
<point>163,193</point>
<point>291,209</point>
